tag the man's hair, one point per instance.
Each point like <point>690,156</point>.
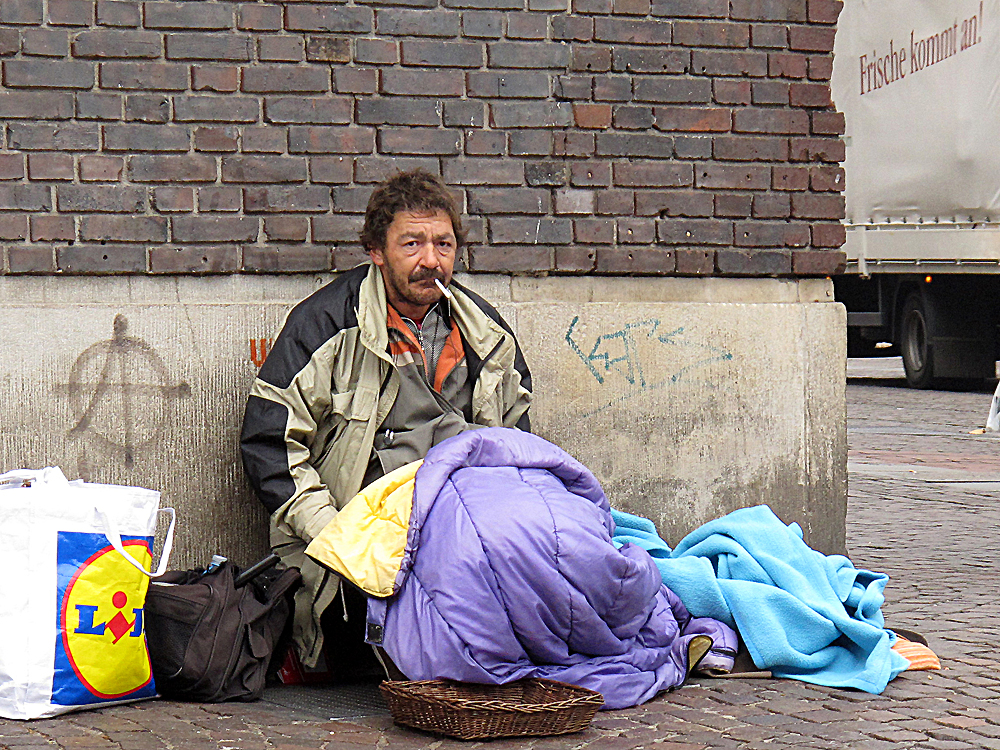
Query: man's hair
<point>417,190</point>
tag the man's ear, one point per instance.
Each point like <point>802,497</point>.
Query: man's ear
<point>376,255</point>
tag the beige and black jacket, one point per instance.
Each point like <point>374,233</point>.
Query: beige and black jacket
<point>319,398</point>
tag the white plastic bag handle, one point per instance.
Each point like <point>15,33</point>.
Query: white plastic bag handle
<point>116,541</point>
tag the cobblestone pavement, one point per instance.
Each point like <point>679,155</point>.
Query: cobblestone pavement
<point>923,508</point>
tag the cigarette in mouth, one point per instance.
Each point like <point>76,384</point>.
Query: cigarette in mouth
<point>444,290</point>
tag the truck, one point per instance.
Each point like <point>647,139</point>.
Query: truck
<point>918,82</point>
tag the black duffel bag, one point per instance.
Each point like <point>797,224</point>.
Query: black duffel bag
<point>212,633</point>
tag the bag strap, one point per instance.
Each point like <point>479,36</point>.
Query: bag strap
<point>112,535</point>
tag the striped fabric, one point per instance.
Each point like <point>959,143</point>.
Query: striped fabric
<point>919,656</point>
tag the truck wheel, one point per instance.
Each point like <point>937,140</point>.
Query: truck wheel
<point>918,356</point>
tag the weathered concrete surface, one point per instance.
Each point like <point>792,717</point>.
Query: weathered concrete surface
<point>687,397</point>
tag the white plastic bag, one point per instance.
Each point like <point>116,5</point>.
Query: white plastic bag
<point>75,562</point>
<point>993,420</point>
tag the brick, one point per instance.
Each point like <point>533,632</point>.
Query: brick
<point>546,173</point>
<point>369,169</point>
<point>690,8</point>
<point>485,142</point>
<point>634,145</point>
<point>115,228</point>
<point>445,83</point>
<point>286,259</point>
<point>398,111</point>
<point>771,234</point>
<point>120,14</point>
<point>693,146</point>
<point>469,114</point>
<point>574,144</point>
<point>285,78</point>
<point>758,120</point>
<point>144,76</point>
<point>790,178</point>
<point>820,67</point>
<point>330,140</point>
<point>772,206</point>
<point>615,202</point>
<point>692,119</point>
<point>270,140</point>
<point>750,148</point>
<point>419,141</point>
<point>71,12</point>
<point>216,199</point>
<point>484,4</point>
<point>96,106</point>
<point>194,260</point>
<point>328,49</point>
<point>732,206</point>
<point>355,81</point>
<point>575,259</point>
<point>828,235</point>
<point>534,55</point>
<point>653,174</point>
<point>732,177</point>
<point>212,229</point>
<point>221,139</point>
<point>329,110</point>
<point>483,171</point>
<point>771,92</point>
<point>214,47</point>
<point>650,60</point>
<point>818,262</point>
<point>811,38</point>
<point>673,90</point>
<point>627,117</point>
<point>482,24</point>
<point>769,35</point>
<point>101,199</point>
<point>264,169</point>
<point>187,14</point>
<point>632,7</point>
<point>10,42</point>
<point>187,168</point>
<point>826,179</point>
<point>223,79</point>
<point>107,43</point>
<point>281,49</point>
<point>529,143</point>
<point>810,95</point>
<point>573,87</point>
<point>590,58</point>
<point>336,228</point>
<point>569,28</point>
<point>444,54</point>
<point>346,257</point>
<point>48,74</point>
<point>694,231</point>
<point>816,149</point>
<point>612,88</point>
<point>768,10</point>
<point>509,201</point>
<point>101,168</point>
<point>407,22</point>
<point>258,17</point>
<point>50,167</point>
<point>11,166</point>
<point>376,51</point>
<point>508,85</point>
<point>27,12</point>
<point>533,231</point>
<point>511,259</point>
<point>692,261</point>
<point>827,123</point>
<point>101,259</point>
<point>636,231</point>
<point>21,259</point>
<point>522,25</point>
<point>726,63</point>
<point>531,114</point>
<point>575,201</point>
<point>289,228</point>
<point>36,105</point>
<point>45,43</point>
<point>336,19</point>
<point>146,138</point>
<point>173,199</point>
<point>824,206</point>
<point>824,11</point>
<point>753,262</point>
<point>14,227</point>
<point>731,92</point>
<point>60,137</point>
<point>142,108</point>
<point>592,115</point>
<point>590,174</point>
<point>594,231</point>
<point>628,31</point>
<point>635,261</point>
<point>711,34</point>
<point>787,65</point>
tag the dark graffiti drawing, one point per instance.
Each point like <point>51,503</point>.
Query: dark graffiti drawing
<point>120,392</point>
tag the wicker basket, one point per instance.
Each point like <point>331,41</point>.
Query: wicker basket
<point>471,712</point>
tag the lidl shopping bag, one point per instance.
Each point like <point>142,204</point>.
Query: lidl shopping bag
<point>75,563</point>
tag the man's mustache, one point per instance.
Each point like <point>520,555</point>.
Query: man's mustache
<point>426,274</point>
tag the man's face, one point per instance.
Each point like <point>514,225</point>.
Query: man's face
<point>419,247</point>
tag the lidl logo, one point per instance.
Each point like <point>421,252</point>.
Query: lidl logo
<point>100,649</point>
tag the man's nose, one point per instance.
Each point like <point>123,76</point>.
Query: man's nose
<point>429,256</point>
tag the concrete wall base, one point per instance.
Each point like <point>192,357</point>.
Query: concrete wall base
<point>688,398</point>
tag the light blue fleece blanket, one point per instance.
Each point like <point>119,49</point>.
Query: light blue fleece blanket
<point>801,614</point>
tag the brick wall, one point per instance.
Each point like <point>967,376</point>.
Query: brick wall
<point>609,137</point>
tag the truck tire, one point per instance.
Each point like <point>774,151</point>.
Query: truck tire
<point>915,342</point>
